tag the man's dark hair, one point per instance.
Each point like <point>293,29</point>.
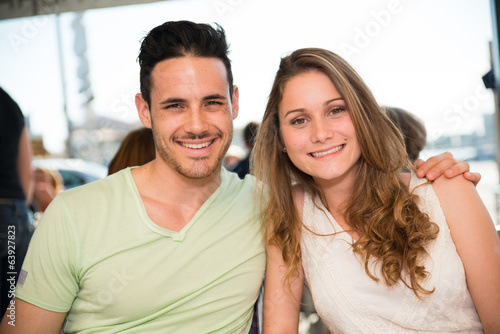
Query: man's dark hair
<point>175,39</point>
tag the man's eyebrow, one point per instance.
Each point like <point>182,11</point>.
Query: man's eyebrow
<point>173,100</point>
<point>180,100</point>
<point>214,97</point>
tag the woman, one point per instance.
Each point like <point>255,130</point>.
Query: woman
<point>380,250</point>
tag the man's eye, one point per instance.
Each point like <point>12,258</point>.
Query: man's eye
<point>172,106</point>
<point>213,103</point>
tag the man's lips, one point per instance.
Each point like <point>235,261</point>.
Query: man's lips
<point>323,153</point>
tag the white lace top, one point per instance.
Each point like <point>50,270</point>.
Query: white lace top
<point>349,301</point>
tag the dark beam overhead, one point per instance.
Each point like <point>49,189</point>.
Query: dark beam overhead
<point>10,9</point>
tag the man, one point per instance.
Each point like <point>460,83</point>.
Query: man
<point>174,246</point>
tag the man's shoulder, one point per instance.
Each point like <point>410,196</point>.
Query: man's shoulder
<point>97,189</point>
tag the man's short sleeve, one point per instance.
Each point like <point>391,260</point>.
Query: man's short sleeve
<point>48,277</point>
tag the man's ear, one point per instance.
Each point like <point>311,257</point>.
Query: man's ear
<point>235,101</point>
<point>143,110</point>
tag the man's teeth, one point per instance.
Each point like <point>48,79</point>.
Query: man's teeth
<point>197,146</point>
<point>320,154</point>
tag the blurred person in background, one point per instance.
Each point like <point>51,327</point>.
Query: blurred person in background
<point>233,156</point>
<point>249,133</point>
<point>16,189</point>
<point>412,129</point>
<point>48,183</point>
<point>136,149</point>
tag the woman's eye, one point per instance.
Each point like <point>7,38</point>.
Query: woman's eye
<point>337,110</point>
<point>298,121</point>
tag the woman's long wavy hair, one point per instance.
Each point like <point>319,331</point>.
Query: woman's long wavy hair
<point>380,208</point>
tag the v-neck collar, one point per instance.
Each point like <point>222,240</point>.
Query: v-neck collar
<point>176,236</point>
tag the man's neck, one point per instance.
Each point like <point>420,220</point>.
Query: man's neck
<point>166,193</point>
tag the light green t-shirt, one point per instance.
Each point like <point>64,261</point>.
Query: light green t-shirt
<point>97,256</point>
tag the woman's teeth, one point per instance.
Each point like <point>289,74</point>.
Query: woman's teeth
<point>333,150</point>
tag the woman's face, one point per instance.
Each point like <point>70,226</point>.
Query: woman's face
<point>316,128</point>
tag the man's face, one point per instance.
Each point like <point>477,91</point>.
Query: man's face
<point>191,114</point>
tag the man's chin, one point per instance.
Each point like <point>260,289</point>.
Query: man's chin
<point>197,171</point>
<point>193,168</point>
<point>198,175</point>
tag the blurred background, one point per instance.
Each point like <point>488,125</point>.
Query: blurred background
<point>77,71</point>
<point>71,66</point>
